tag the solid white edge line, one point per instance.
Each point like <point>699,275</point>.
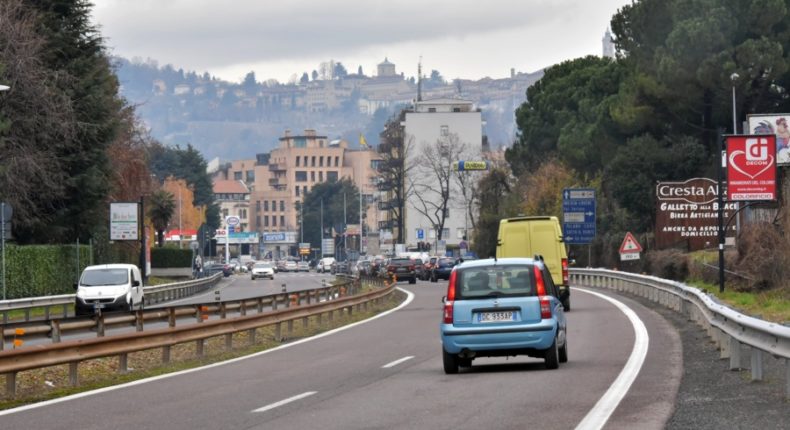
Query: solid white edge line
<point>285,402</point>
<point>397,362</point>
<point>208,366</point>
<point>600,413</point>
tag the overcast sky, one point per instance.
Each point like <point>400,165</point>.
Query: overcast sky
<point>459,38</point>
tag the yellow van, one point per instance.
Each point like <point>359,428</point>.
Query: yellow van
<point>536,235</point>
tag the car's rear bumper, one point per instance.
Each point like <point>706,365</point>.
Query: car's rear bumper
<point>498,338</point>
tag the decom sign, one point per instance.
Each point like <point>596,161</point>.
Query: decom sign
<point>751,168</point>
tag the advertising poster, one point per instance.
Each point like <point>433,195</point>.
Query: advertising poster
<point>751,168</point>
<point>777,125</point>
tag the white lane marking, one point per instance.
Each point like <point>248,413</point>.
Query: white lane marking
<point>397,362</point>
<point>405,303</point>
<point>285,402</point>
<point>600,413</point>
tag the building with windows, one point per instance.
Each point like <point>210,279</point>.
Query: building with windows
<point>448,129</point>
<point>279,180</point>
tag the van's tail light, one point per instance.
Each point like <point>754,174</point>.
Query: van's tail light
<point>450,299</point>
<point>539,284</point>
<point>565,277</point>
<point>545,307</point>
<point>411,268</point>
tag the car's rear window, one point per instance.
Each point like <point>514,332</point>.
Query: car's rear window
<point>446,262</point>
<point>401,261</point>
<point>495,281</point>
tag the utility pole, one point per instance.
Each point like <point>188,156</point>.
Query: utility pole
<point>345,226</point>
<point>322,227</point>
<point>360,220</point>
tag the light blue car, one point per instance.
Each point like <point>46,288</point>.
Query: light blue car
<point>502,307</point>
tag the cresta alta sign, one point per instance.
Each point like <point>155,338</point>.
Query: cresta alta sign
<point>698,191</point>
<point>687,214</point>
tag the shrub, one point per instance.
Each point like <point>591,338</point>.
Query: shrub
<point>763,257</point>
<point>668,264</point>
<point>171,257</point>
<point>43,270</point>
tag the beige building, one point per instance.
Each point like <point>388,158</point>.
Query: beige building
<point>280,179</point>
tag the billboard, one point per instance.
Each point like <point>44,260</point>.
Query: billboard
<point>123,221</point>
<point>777,125</point>
<point>751,168</point>
<point>687,214</point>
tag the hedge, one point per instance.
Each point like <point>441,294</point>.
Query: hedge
<point>43,270</point>
<point>171,257</point>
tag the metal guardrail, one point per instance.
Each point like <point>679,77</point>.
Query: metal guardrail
<point>732,331</point>
<point>73,352</point>
<point>65,302</point>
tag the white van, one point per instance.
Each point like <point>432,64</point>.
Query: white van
<point>324,264</point>
<point>109,287</point>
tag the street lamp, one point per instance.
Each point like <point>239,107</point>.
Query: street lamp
<point>734,77</point>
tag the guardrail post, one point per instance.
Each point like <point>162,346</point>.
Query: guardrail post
<point>100,326</point>
<point>139,319</point>
<point>308,296</point>
<point>123,363</point>
<point>757,364</point>
<point>229,341</point>
<point>724,343</point>
<point>278,332</point>
<point>251,336</point>
<point>243,308</point>
<point>54,327</point>
<point>166,354</point>
<point>735,354</point>
<point>27,314</point>
<point>787,379</point>
<point>74,373</point>
<point>199,313</point>
<point>46,312</point>
<point>10,384</point>
<point>305,322</point>
<point>171,318</point>
<point>331,315</point>
<point>2,337</point>
<point>65,310</point>
<point>222,310</point>
<point>199,346</point>
<point>260,304</point>
<point>274,303</point>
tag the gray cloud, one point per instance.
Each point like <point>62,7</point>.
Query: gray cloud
<point>219,34</point>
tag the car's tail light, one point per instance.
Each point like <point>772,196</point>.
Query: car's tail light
<point>411,268</point>
<point>539,284</point>
<point>390,268</point>
<point>450,299</point>
<point>565,271</point>
<point>545,307</point>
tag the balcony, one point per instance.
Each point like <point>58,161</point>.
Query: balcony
<point>274,167</point>
<point>274,181</point>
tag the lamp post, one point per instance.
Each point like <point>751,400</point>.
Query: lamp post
<point>3,221</point>
<point>734,77</point>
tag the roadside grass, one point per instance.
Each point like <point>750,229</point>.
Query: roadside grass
<point>772,305</point>
<point>53,382</point>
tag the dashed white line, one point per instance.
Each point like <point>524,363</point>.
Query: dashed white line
<point>284,402</point>
<point>397,362</point>
<point>600,413</point>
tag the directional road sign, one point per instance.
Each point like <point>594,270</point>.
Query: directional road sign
<point>578,215</point>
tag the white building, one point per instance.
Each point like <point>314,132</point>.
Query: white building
<point>433,121</point>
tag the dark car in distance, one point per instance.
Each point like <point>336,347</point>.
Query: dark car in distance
<point>403,269</point>
<point>442,269</point>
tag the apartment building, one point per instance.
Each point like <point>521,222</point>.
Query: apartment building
<point>279,179</point>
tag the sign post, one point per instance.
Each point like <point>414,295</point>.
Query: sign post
<point>6,212</point>
<point>231,221</point>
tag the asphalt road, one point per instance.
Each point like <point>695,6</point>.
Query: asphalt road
<point>387,373</point>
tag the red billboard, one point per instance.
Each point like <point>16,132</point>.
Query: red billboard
<point>751,168</point>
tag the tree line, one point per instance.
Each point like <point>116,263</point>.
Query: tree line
<point>69,143</point>
<point>653,113</point>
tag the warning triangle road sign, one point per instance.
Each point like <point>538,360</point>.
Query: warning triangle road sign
<point>630,244</point>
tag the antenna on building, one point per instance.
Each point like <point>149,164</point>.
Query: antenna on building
<point>419,80</point>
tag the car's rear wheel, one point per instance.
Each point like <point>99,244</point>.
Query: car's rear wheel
<point>465,362</point>
<point>413,280</point>
<point>552,356</point>
<point>433,277</point>
<point>566,304</point>
<point>563,352</point>
<point>450,362</point>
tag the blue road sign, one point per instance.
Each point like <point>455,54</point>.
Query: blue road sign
<point>578,215</point>
<point>420,233</point>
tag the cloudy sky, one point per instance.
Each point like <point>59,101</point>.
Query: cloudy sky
<point>277,39</point>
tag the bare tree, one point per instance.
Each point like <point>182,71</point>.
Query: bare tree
<point>432,181</point>
<point>393,171</point>
<point>33,115</point>
<point>468,183</point>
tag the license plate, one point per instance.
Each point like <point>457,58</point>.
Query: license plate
<point>402,269</point>
<point>485,317</point>
<point>98,306</point>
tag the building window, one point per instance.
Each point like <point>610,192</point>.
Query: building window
<point>257,220</point>
<point>321,176</point>
<point>282,205</point>
<point>444,130</point>
<point>274,206</point>
<point>297,160</point>
<point>445,233</point>
<point>300,176</point>
<point>250,176</point>
<point>321,161</point>
<point>312,176</point>
<point>456,109</point>
<point>432,234</point>
<point>266,221</point>
<point>266,206</point>
<point>374,164</point>
<point>431,109</point>
<point>461,233</point>
<point>243,213</point>
<point>337,161</point>
<point>296,189</point>
<point>237,176</point>
<point>274,221</point>
<point>312,161</point>
<point>257,206</point>
<point>331,176</point>
<point>300,142</point>
<point>304,189</point>
<point>282,220</point>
